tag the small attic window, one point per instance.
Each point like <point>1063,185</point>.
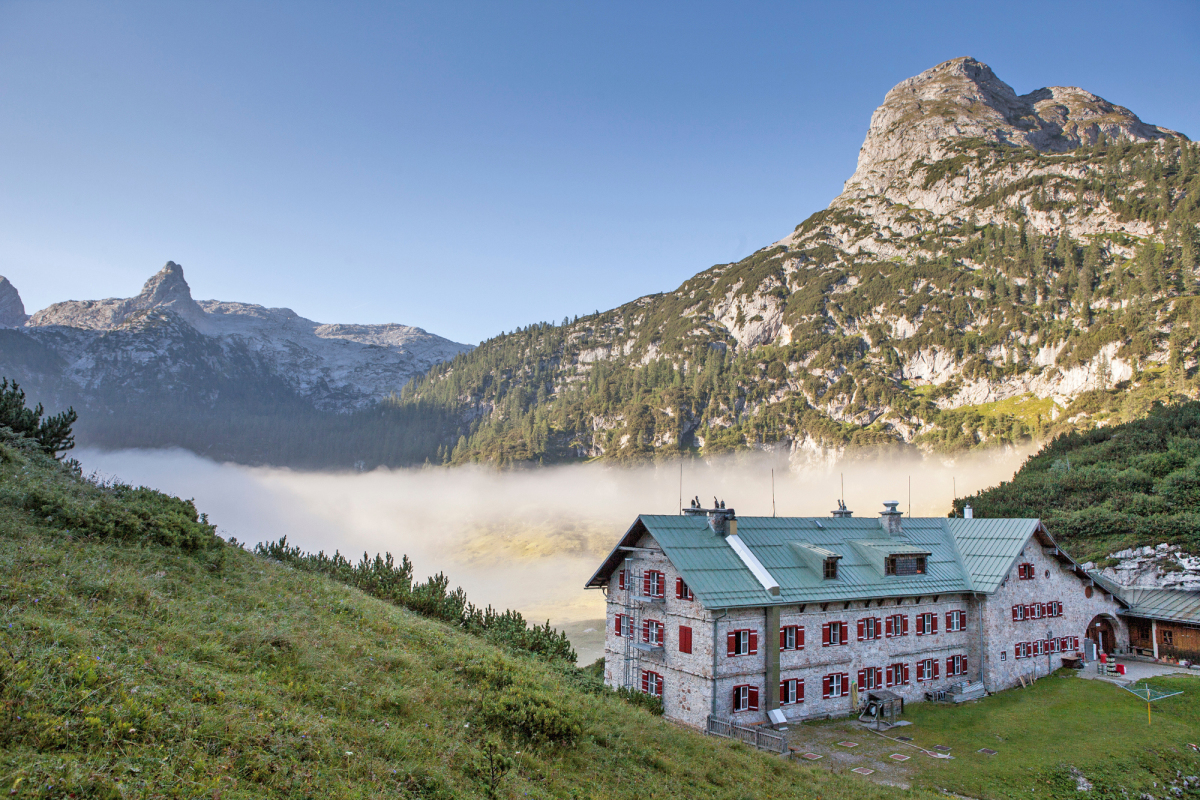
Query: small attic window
<point>905,565</point>
<point>830,570</point>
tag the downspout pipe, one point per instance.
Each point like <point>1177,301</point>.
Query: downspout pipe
<point>714,672</point>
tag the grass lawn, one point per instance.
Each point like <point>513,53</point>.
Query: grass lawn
<point>1061,728</point>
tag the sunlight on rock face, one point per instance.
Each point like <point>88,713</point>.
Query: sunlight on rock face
<point>529,540</point>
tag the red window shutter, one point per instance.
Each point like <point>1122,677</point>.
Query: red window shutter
<point>1017,650</point>
<point>645,630</point>
<point>878,628</point>
<point>783,693</point>
<point>920,624</point>
<point>646,583</point>
<point>662,631</point>
<point>731,642</point>
<point>1014,613</point>
<point>888,626</point>
<point>679,588</point>
<point>879,676</point>
<point>890,676</point>
<point>685,639</point>
<point>904,624</point>
<point>800,638</point>
<point>950,665</point>
<point>826,686</point>
<point>949,621</point>
<point>621,579</point>
<point>862,678</point>
<point>617,624</point>
<point>861,625</point>
<point>825,637</point>
<point>845,632</point>
<point>753,645</point>
<point>937,670</point>
<point>753,698</point>
<point>783,638</point>
<point>799,690</point>
<point>845,683</point>
<point>963,666</point>
<point>645,681</point>
<point>737,698</point>
<point>933,620</point>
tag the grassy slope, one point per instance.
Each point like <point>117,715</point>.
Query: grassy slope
<point>1103,490</point>
<point>141,670</point>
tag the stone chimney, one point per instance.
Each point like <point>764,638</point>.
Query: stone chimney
<point>891,517</point>
<point>841,512</point>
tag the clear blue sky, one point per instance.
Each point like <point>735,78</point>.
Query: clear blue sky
<point>471,168</point>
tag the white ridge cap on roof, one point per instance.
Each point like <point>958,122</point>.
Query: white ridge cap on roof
<point>753,564</point>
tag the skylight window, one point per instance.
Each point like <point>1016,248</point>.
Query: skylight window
<point>830,569</point>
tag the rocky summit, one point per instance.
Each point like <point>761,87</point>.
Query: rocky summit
<point>1000,267</point>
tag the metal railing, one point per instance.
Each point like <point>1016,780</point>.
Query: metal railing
<point>761,738</point>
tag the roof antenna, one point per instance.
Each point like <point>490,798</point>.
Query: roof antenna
<point>910,496</point>
<point>772,491</point>
<point>843,489</point>
<point>681,487</point>
<point>953,507</point>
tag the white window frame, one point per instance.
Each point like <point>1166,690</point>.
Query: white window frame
<point>742,642</point>
<point>836,687</point>
<point>957,621</point>
<point>835,635</point>
<point>793,691</point>
<point>789,637</point>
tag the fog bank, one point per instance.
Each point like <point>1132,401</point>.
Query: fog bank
<point>528,539</point>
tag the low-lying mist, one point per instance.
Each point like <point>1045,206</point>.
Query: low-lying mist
<point>529,539</point>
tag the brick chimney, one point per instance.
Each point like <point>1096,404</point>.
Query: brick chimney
<point>891,517</point>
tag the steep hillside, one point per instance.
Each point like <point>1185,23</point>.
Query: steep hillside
<point>1113,488</point>
<point>141,657</point>
<point>994,257</point>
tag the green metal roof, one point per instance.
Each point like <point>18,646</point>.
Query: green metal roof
<point>988,547</point>
<point>1174,605</point>
<point>963,556</point>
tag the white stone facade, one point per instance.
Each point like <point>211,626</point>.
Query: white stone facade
<point>987,630</point>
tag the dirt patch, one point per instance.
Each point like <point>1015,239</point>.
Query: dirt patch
<point>846,746</point>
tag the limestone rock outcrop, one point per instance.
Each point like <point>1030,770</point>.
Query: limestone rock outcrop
<point>12,310</point>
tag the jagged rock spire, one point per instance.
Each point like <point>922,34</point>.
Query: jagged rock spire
<point>12,310</point>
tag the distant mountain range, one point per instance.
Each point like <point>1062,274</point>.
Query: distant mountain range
<point>998,267</point>
<point>163,359</point>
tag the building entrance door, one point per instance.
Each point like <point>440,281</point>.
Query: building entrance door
<point>1100,631</point>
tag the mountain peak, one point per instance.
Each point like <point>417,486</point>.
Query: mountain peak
<point>12,310</point>
<point>167,289</point>
<point>963,98</point>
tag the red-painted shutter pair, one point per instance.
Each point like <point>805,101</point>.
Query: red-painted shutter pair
<point>751,698</point>
<point>685,639</point>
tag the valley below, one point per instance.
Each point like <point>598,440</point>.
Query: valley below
<point>529,540</point>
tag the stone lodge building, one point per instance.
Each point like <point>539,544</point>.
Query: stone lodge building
<point>734,617</point>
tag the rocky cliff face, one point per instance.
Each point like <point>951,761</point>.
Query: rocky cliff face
<point>999,267</point>
<point>162,344</point>
<point>12,310</point>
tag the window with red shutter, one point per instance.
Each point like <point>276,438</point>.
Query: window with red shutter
<point>617,624</point>
<point>933,620</point>
<point>753,706</point>
<point>731,642</point>
<point>753,643</point>
<point>800,638</point>
<point>889,676</point>
<point>826,686</point>
<point>889,627</point>
<point>800,690</point>
<point>861,624</point>
<point>862,679</point>
<point>905,681</point>
<point>685,639</point>
<point>825,635</point>
<point>904,625</point>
